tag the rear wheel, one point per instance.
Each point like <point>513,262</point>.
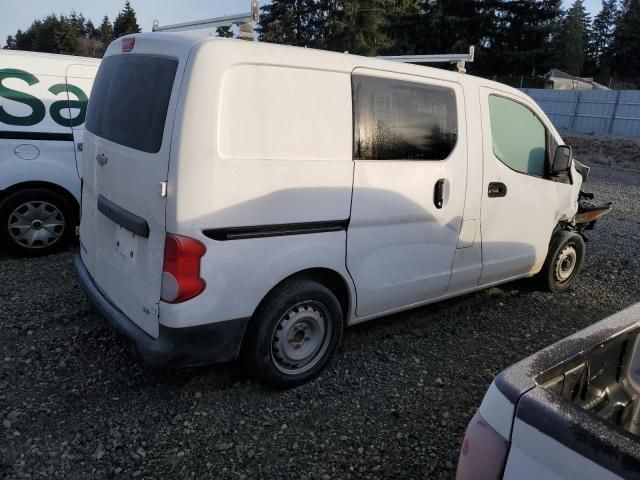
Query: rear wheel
<point>36,222</point>
<point>294,334</point>
<point>564,262</point>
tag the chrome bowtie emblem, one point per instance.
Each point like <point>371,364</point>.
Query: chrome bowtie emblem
<point>101,159</point>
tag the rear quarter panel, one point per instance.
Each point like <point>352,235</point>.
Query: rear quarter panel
<point>534,455</point>
<point>262,137</point>
<point>553,440</point>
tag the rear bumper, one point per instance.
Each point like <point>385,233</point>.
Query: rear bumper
<point>177,347</point>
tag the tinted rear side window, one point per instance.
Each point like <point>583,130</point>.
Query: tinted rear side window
<point>399,120</point>
<point>129,100</point>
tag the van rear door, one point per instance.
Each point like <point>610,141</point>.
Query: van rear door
<point>125,159</point>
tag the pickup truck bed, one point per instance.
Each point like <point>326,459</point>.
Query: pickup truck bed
<point>570,411</point>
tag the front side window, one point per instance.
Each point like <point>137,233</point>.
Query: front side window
<point>400,120</point>
<point>518,135</point>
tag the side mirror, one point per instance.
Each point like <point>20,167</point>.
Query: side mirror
<point>562,160</point>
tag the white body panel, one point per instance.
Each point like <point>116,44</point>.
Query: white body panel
<point>110,252</point>
<point>516,228</point>
<point>261,135</point>
<point>534,455</point>
<point>400,246</point>
<point>498,411</point>
<point>37,133</point>
<point>294,165</point>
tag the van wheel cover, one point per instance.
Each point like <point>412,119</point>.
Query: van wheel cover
<point>36,224</point>
<point>301,338</point>
<point>566,264</point>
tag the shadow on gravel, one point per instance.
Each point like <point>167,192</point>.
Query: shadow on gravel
<point>487,299</point>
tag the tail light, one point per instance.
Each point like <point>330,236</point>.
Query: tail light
<point>181,269</point>
<point>483,454</point>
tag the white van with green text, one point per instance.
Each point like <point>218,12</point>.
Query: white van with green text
<point>242,198</point>
<point>43,102</point>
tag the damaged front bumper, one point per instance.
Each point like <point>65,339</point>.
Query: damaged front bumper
<point>588,212</point>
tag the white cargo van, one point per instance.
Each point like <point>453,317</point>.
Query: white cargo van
<point>243,198</point>
<point>43,102</point>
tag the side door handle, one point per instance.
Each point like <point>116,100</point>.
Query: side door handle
<point>497,189</point>
<point>438,193</point>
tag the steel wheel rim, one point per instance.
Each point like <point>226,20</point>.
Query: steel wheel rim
<point>36,224</point>
<point>300,338</point>
<point>566,264</point>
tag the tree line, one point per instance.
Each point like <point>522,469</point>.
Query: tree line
<point>512,37</point>
<point>73,34</point>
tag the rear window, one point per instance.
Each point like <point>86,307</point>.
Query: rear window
<point>129,100</point>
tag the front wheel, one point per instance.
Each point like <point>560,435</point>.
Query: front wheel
<point>36,222</point>
<point>564,262</point>
<point>293,334</point>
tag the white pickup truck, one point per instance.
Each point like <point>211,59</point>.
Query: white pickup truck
<point>570,411</point>
<point>43,102</point>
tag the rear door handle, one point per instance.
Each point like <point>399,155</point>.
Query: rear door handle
<point>438,193</point>
<point>497,189</point>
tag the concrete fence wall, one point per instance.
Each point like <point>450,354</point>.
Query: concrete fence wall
<point>608,112</point>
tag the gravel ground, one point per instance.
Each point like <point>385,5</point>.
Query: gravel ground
<point>76,403</point>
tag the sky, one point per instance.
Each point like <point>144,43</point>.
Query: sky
<point>20,13</point>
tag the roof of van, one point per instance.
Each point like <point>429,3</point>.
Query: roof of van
<point>43,63</point>
<point>355,61</point>
<point>310,58</point>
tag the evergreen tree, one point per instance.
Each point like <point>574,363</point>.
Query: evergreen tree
<point>521,37</point>
<point>67,37</point>
<point>91,31</point>
<point>225,31</point>
<point>624,59</point>
<point>20,41</point>
<point>405,28</point>
<point>517,37</point>
<point>89,43</point>
<point>289,22</point>
<point>44,36</point>
<point>324,23</point>
<point>359,27</point>
<point>105,32</point>
<point>11,43</point>
<point>78,23</point>
<point>454,25</point>
<point>603,32</point>
<point>126,22</point>
<point>572,41</point>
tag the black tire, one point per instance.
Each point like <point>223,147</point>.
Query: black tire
<point>564,262</point>
<point>49,200</point>
<point>265,348</point>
